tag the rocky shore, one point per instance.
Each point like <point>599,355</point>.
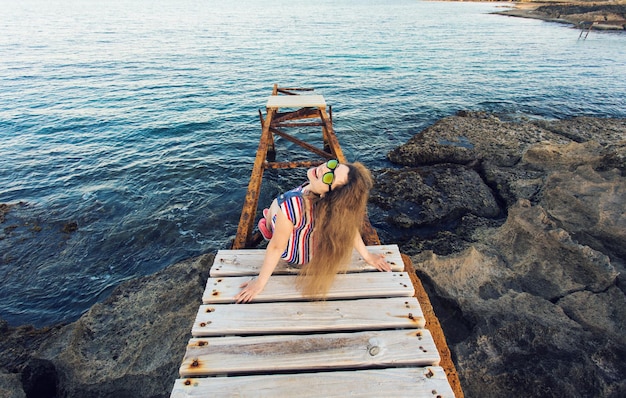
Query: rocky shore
<point>130,345</point>
<point>599,15</point>
<point>516,229</point>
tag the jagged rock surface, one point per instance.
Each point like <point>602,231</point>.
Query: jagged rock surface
<point>585,14</point>
<point>530,299</point>
<point>130,345</point>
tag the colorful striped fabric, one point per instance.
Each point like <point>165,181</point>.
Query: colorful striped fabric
<point>299,248</point>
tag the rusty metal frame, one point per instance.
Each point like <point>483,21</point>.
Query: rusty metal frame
<point>273,124</point>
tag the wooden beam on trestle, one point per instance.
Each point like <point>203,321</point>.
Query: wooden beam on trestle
<point>301,143</point>
<point>312,124</point>
<point>293,165</point>
<point>304,113</point>
<point>373,342</point>
<point>288,90</point>
<point>248,212</point>
<point>330,139</point>
<point>271,147</point>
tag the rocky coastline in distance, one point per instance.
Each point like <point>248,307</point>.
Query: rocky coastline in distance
<point>590,15</point>
<point>516,229</point>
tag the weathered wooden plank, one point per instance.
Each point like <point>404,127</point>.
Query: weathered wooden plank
<point>296,101</point>
<point>307,316</point>
<point>269,354</point>
<point>428,382</point>
<point>283,287</point>
<point>249,262</point>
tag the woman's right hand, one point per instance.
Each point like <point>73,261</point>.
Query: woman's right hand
<point>249,291</point>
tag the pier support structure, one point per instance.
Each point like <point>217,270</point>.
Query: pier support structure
<point>306,110</point>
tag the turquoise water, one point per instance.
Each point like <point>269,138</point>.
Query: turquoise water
<point>137,120</point>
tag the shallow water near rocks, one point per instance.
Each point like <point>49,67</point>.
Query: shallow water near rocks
<point>137,121</point>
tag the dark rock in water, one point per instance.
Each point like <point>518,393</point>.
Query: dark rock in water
<point>483,137</point>
<point>70,227</point>
<point>583,129</point>
<point>434,194</point>
<point>531,298</point>
<point>4,209</point>
<point>131,344</point>
<point>11,385</point>
<point>433,201</point>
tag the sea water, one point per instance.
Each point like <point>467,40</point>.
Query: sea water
<point>128,129</point>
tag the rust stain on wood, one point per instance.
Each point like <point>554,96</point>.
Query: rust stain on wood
<point>433,325</point>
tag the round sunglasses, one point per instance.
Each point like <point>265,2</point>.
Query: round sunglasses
<point>329,176</point>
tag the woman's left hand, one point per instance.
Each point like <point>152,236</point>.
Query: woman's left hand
<point>378,262</point>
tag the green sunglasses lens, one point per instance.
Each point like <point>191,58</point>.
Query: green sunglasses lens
<point>328,178</point>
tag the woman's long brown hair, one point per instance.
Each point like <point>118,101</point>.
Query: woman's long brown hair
<point>338,216</point>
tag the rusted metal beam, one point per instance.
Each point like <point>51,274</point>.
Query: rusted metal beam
<point>271,146</point>
<point>296,125</point>
<point>302,113</point>
<point>302,144</point>
<point>433,325</point>
<point>287,90</point>
<point>293,165</point>
<point>248,212</point>
<point>330,138</point>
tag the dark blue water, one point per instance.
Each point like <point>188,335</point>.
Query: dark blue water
<point>137,120</point>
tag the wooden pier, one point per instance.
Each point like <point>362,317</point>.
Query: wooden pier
<point>374,336</point>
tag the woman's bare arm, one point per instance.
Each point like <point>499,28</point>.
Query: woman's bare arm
<point>275,249</point>
<point>376,260</point>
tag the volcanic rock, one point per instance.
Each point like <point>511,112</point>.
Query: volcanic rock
<point>130,345</point>
<point>530,298</point>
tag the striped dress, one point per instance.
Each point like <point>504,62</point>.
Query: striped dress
<point>299,248</point>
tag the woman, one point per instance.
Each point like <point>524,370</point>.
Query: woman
<point>316,225</point>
